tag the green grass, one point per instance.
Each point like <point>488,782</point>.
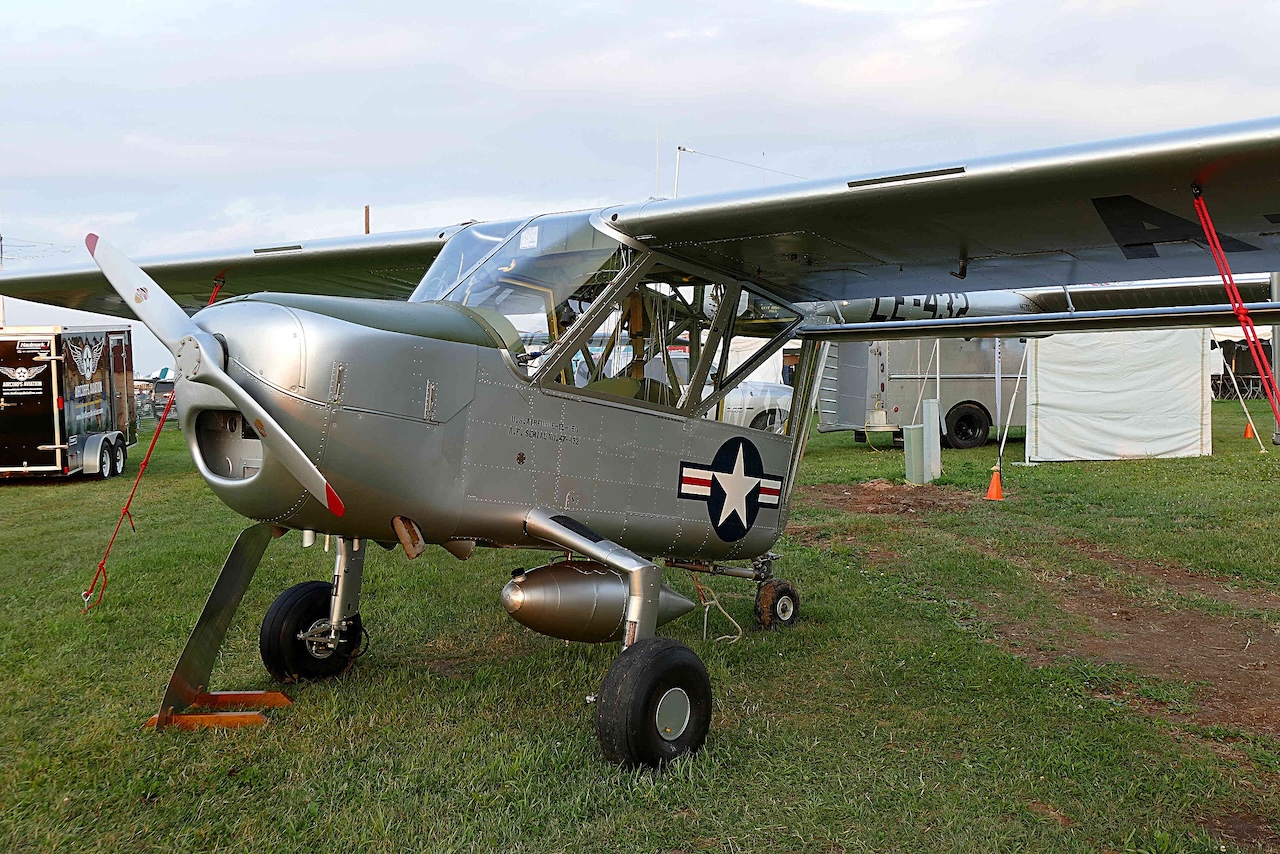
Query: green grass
<point>886,720</point>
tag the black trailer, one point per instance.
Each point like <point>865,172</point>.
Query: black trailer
<point>66,400</point>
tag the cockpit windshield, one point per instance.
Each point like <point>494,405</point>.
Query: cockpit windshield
<point>540,280</point>
<point>462,252</point>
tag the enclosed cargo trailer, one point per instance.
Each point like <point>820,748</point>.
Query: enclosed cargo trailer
<point>66,400</point>
<point>878,386</point>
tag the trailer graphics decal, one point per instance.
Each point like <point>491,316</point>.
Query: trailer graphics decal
<point>23,381</point>
<point>88,406</point>
<point>87,355</point>
<point>734,486</point>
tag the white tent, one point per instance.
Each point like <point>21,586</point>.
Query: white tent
<point>1119,395</point>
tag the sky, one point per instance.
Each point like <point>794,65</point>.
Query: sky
<point>169,127</point>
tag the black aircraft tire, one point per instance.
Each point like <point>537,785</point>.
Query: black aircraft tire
<point>968,426</point>
<point>106,454</point>
<point>653,685</point>
<point>777,604</point>
<point>296,610</point>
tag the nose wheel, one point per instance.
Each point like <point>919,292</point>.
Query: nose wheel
<point>294,639</point>
<point>654,705</point>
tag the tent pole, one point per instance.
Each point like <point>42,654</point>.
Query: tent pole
<point>1275,347</point>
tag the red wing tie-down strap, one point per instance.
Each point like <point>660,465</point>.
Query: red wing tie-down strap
<point>1237,302</point>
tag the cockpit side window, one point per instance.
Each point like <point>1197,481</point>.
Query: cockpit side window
<point>685,343</point>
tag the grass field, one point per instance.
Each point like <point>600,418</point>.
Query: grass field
<point>947,689</point>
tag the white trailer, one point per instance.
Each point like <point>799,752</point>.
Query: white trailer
<point>878,386</point>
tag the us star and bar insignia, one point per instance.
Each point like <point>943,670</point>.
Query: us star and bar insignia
<point>735,487</point>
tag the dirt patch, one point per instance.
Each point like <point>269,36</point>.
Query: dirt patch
<point>1245,830</point>
<point>1235,661</point>
<point>1229,590</point>
<point>881,496</point>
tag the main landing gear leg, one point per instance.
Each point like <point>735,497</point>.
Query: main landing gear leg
<point>188,686</point>
<point>655,703</point>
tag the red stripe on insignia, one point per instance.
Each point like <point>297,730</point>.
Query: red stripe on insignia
<point>770,490</point>
<point>690,480</point>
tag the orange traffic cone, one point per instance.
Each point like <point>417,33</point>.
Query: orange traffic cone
<point>994,492</point>
<point>1248,430</point>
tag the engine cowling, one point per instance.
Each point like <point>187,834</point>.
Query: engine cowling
<point>579,600</point>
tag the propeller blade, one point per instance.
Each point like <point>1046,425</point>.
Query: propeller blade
<point>199,358</point>
<point>166,320</point>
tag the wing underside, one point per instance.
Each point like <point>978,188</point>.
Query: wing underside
<point>1120,211</point>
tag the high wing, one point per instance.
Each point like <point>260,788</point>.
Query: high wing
<point>378,265</point>
<point>1117,211</point>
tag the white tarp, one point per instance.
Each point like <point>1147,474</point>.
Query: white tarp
<point>1119,395</point>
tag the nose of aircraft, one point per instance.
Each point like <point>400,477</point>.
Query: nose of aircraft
<point>201,357</point>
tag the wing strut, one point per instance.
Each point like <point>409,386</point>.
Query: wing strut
<point>1237,302</point>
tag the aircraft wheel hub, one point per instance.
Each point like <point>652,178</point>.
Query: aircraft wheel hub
<point>318,648</point>
<point>672,716</point>
<point>786,607</point>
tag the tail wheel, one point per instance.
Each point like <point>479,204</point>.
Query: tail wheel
<point>777,604</point>
<point>300,609</point>
<point>654,705</point>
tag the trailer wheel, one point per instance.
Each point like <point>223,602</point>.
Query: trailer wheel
<point>120,455</point>
<point>968,426</point>
<point>105,465</point>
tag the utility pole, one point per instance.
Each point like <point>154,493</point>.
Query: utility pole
<point>366,219</point>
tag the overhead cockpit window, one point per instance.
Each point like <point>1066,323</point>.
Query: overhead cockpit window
<point>534,287</point>
<point>462,252</point>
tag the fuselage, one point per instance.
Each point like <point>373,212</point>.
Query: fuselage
<point>429,411</point>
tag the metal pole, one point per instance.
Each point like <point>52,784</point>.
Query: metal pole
<point>1275,348</point>
<point>999,398</point>
<point>675,191</point>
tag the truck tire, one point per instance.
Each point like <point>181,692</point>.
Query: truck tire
<point>968,426</point>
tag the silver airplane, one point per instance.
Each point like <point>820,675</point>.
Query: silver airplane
<point>561,381</point>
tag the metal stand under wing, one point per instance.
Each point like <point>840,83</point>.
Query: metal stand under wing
<point>190,680</point>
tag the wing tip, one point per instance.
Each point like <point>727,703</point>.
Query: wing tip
<point>91,242</point>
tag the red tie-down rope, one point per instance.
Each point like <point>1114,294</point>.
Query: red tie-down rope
<point>1237,302</point>
<point>124,514</point>
<point>124,511</point>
